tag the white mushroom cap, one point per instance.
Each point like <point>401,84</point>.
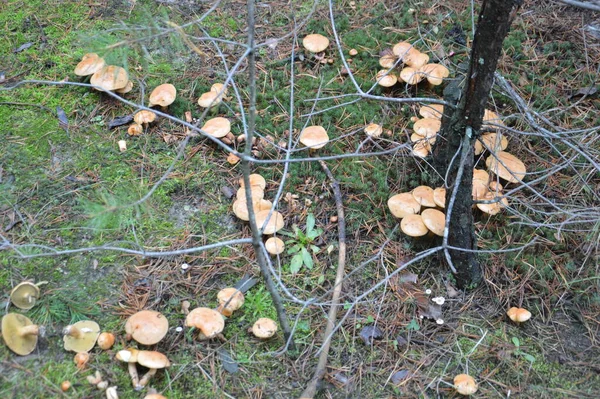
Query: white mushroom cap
<point>163,95</point>
<point>217,127</point>
<point>315,43</point>
<point>403,204</point>
<point>314,137</point>
<point>152,359</point>
<point>264,328</point>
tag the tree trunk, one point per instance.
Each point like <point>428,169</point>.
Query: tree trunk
<point>460,128</point>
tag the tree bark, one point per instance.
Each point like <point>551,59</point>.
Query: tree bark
<point>460,128</point>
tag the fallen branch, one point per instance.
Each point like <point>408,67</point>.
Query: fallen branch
<point>311,388</point>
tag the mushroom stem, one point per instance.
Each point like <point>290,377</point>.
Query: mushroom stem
<point>29,330</point>
<point>145,378</point>
<point>72,331</point>
<point>134,374</point>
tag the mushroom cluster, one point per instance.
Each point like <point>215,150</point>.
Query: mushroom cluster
<point>267,219</point>
<point>415,67</point>
<point>213,97</point>
<point>163,96</point>
<point>104,77</point>
<point>416,223</point>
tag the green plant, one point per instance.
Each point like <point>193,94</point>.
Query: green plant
<point>301,243</point>
<point>518,352</point>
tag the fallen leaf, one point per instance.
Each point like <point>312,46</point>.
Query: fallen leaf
<point>63,121</point>
<point>227,361</point>
<point>120,121</point>
<point>370,333</point>
<point>399,376</point>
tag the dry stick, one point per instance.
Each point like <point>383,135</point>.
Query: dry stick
<point>311,388</point>
<point>245,166</point>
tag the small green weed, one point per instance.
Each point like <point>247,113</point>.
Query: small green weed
<point>301,243</point>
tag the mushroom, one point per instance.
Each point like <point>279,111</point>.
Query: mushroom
<point>373,130</point>
<point>25,295</point>
<point>403,204</point>
<point>135,129</point>
<point>506,166</point>
<point>465,384</point>
<point>493,142</point>
<point>230,300</point>
<point>491,117</point>
<point>240,207</point>
<point>427,127</point>
<point>413,226</point>
<point>163,95</point>
<point>217,127</point>
<point>128,87</point>
<point>111,393</point>
<point>151,359</point>
<point>424,196</point>
<point>274,245</point>
<point>387,61</point>
<point>264,328</point>
<point>434,111</point>
<point>152,394</point>
<point>255,180</point>
<point>434,220</point>
<point>416,59</point>
<point>518,315</point>
<point>435,73</point>
<point>208,321</point>
<point>210,99</point>
<point>315,43</point>
<point>404,51</point>
<point>109,78</point>
<point>272,225</point>
<point>81,336</point>
<point>386,78</point>
<point>411,75</point>
<point>421,149</point>
<point>439,197</point>
<point>256,193</point>
<point>314,137</point>
<point>480,183</point>
<point>89,64</point>
<point>144,117</point>
<point>19,333</point>
<point>492,208</point>
<point>81,359</point>
<point>106,340</point>
<point>147,327</point>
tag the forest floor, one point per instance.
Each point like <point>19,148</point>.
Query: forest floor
<point>66,186</point>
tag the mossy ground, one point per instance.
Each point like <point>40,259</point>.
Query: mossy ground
<point>74,189</point>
